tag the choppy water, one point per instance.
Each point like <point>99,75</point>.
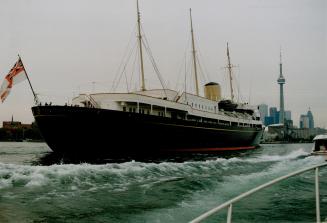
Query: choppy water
<point>160,190</point>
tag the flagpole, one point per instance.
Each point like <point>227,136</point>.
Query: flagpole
<point>35,96</point>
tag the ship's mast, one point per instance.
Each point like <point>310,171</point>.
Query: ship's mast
<point>230,66</point>
<point>194,57</point>
<point>140,46</point>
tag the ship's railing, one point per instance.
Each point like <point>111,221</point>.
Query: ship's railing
<point>230,203</point>
<point>92,101</point>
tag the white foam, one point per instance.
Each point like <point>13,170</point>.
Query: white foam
<point>292,155</point>
<point>115,176</point>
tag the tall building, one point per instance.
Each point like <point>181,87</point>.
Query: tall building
<point>274,114</point>
<point>281,82</point>
<point>288,115</point>
<point>263,109</point>
<point>311,121</point>
<point>304,122</point>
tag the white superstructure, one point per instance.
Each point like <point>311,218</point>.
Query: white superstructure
<point>169,103</point>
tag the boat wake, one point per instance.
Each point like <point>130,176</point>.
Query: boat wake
<point>171,191</point>
<point>12,175</point>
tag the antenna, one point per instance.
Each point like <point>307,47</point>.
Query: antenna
<point>280,63</point>
<point>194,57</point>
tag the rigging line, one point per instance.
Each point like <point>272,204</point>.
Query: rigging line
<point>188,39</point>
<point>206,73</point>
<point>123,58</point>
<point>188,70</point>
<point>225,83</point>
<point>239,95</point>
<point>133,69</point>
<point>126,81</point>
<point>239,83</point>
<point>159,75</point>
<point>147,46</point>
<point>191,70</point>
<point>154,64</point>
<point>201,71</point>
<point>185,74</point>
<point>250,89</point>
<point>124,68</point>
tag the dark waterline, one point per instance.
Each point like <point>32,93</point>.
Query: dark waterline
<point>38,186</point>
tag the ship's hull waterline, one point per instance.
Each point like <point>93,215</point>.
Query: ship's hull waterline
<point>80,130</point>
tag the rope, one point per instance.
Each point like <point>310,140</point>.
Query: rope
<point>118,73</point>
<point>154,64</point>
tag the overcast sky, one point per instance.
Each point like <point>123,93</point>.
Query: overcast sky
<point>72,46</point>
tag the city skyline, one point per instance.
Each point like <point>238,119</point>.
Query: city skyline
<point>271,115</point>
<point>77,46</point>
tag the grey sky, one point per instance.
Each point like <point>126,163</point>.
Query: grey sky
<point>68,44</point>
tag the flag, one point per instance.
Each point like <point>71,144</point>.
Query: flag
<point>16,75</point>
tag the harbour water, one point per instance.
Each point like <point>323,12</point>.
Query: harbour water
<point>35,187</point>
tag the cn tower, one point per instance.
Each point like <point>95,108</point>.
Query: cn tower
<point>281,81</point>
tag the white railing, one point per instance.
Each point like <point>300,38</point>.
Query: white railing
<point>92,101</point>
<point>230,203</point>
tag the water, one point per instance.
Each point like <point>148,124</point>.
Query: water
<point>36,187</point>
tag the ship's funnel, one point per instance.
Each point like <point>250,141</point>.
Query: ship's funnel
<point>212,91</point>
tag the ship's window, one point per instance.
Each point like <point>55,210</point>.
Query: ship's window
<point>130,109</point>
<point>124,109</point>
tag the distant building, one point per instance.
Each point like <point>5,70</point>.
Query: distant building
<point>289,123</point>
<point>307,133</point>
<point>273,113</point>
<point>311,121</point>
<point>288,115</point>
<point>263,109</point>
<point>269,120</point>
<point>15,125</point>
<point>304,122</point>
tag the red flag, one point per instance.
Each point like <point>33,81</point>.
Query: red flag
<point>16,75</point>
